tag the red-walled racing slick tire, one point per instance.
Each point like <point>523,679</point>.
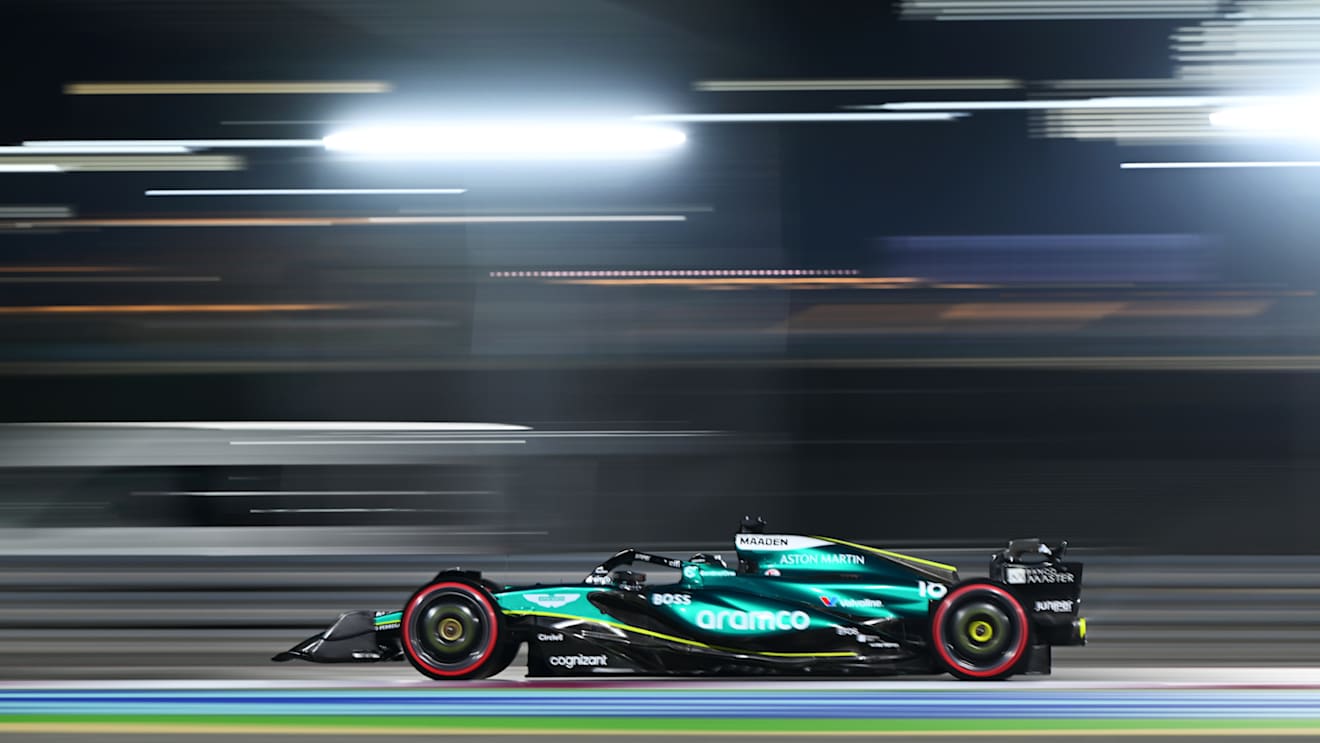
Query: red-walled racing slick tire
<point>454,630</point>
<point>980,632</point>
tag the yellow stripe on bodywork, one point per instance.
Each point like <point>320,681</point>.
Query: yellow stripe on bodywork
<point>889,553</point>
<point>672,638</point>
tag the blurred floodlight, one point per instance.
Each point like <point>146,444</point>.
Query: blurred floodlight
<point>228,88</point>
<point>509,140</point>
<point>30,168</point>
<point>305,191</point>
<point>1221,164</point>
<point>1295,118</point>
<point>770,118</point>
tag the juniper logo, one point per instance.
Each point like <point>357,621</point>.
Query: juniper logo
<point>753,621</point>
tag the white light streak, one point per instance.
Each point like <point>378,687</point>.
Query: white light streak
<point>1223,164</point>
<point>30,168</point>
<point>90,149</point>
<point>109,279</point>
<point>268,493</point>
<point>1271,43</point>
<point>744,86</point>
<point>668,273</point>
<point>766,118</point>
<point>170,222</point>
<point>1123,83</point>
<point>469,211</point>
<point>530,218</point>
<point>281,122</point>
<point>228,88</point>
<point>499,140</point>
<point>201,144</point>
<point>291,426</point>
<point>349,510</point>
<point>1015,10</point>
<point>40,212</point>
<point>1066,16</point>
<point>379,442</point>
<point>305,191</point>
<point>1113,102</point>
<point>1139,125</point>
<point>119,163</point>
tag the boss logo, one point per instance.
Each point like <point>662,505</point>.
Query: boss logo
<point>671,599</point>
<point>550,637</point>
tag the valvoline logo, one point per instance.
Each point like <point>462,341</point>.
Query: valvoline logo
<point>834,602</point>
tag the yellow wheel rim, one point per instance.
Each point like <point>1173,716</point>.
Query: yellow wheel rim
<point>450,629</point>
<point>980,631</point>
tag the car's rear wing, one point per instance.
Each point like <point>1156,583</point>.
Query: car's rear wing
<point>1049,588</point>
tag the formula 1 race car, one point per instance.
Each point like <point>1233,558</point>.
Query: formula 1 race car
<point>793,605</point>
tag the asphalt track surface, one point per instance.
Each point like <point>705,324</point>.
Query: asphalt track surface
<point>356,703</point>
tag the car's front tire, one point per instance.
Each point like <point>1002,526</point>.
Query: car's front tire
<point>980,631</point>
<point>454,630</point>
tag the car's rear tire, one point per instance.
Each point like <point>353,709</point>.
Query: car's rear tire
<point>980,632</point>
<point>454,630</point>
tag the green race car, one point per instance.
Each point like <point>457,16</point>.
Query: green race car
<point>792,605</point>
